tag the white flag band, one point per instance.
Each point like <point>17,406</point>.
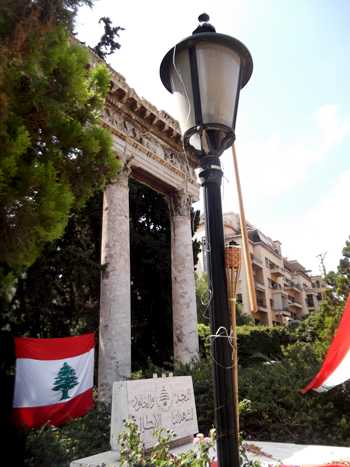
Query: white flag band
<point>35,379</point>
<point>54,380</point>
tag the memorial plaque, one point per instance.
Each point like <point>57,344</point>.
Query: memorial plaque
<point>155,403</point>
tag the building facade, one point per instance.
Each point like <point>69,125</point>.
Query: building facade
<point>285,291</point>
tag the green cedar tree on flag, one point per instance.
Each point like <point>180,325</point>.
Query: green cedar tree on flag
<point>54,380</point>
<point>65,380</point>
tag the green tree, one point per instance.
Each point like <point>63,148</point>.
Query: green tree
<point>151,293</point>
<point>243,319</point>
<point>332,308</point>
<point>65,380</point>
<point>107,45</point>
<point>69,271</point>
<point>151,286</point>
<point>53,153</point>
<point>202,298</point>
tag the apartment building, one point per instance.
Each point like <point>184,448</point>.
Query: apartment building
<point>284,289</point>
<point>319,287</point>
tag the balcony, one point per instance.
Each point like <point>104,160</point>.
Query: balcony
<point>256,261</point>
<point>284,312</point>
<point>259,285</point>
<point>262,306</point>
<point>276,270</point>
<point>276,290</point>
<point>296,304</point>
<point>292,285</point>
<point>311,302</point>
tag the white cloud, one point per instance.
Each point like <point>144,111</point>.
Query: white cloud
<point>281,165</point>
<point>332,129</point>
<point>269,168</point>
<point>324,229</point>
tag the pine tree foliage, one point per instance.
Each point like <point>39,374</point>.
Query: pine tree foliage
<point>107,45</point>
<point>59,294</point>
<point>20,20</point>
<point>53,153</point>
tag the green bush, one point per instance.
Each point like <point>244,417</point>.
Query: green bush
<point>204,340</point>
<point>278,412</point>
<point>59,446</point>
<point>281,413</point>
<point>133,453</point>
<point>261,343</point>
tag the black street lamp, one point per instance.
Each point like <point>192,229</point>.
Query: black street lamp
<point>206,72</point>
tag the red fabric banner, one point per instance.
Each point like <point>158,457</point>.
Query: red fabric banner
<point>54,380</point>
<point>335,369</point>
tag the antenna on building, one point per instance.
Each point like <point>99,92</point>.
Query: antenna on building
<point>321,256</point>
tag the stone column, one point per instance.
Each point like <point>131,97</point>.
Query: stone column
<point>185,330</point>
<point>115,314</point>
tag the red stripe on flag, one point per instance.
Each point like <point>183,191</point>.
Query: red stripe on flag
<point>36,417</point>
<point>53,349</point>
<point>337,352</point>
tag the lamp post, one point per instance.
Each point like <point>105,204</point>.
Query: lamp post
<point>205,73</point>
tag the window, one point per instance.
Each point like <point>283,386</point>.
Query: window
<point>269,283</point>
<point>239,298</point>
<point>271,303</point>
<point>267,262</point>
<point>317,284</point>
<point>319,297</point>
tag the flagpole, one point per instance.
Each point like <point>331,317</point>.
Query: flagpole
<point>245,241</point>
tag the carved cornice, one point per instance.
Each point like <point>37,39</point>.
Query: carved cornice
<point>145,118</point>
<point>142,115</point>
<point>148,144</point>
<point>147,132</point>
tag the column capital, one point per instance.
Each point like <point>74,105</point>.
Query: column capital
<point>124,172</point>
<point>179,203</point>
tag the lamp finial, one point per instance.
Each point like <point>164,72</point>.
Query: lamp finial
<point>203,18</point>
<point>204,25</point>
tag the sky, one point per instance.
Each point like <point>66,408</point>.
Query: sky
<point>293,124</point>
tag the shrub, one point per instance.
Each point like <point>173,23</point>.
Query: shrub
<point>280,413</point>
<point>261,343</point>
<point>82,437</point>
<point>133,452</point>
<point>204,340</point>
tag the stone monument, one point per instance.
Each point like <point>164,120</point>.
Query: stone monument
<point>147,143</point>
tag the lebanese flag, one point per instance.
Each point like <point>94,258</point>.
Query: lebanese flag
<point>54,380</point>
<point>336,367</point>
